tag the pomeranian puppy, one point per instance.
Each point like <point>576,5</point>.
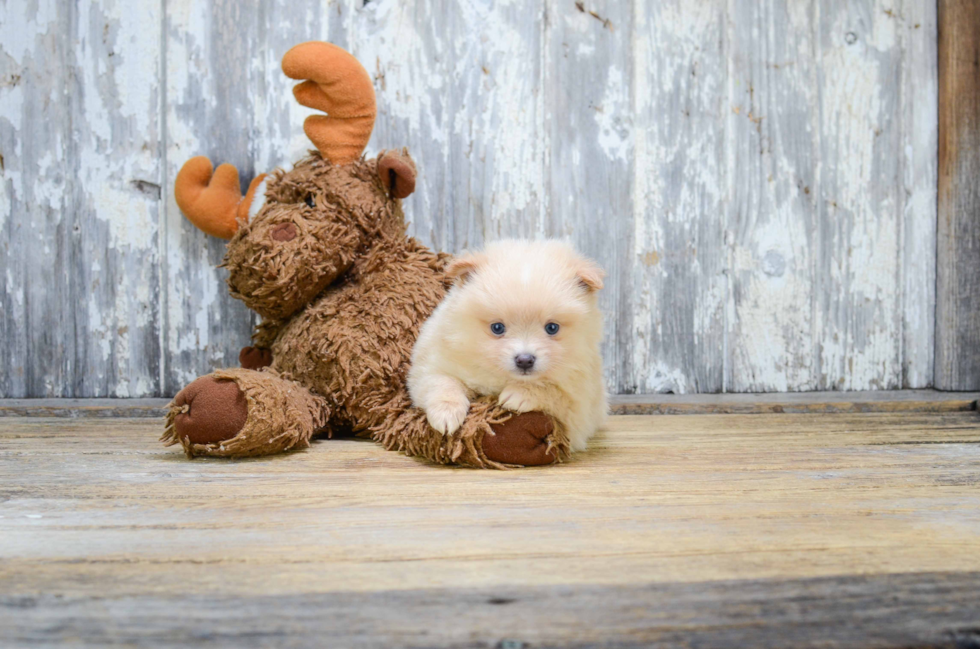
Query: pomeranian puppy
<point>521,323</point>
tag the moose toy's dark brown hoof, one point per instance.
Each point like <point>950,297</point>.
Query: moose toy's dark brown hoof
<point>522,439</point>
<point>215,411</point>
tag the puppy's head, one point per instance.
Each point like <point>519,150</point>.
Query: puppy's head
<point>526,310</point>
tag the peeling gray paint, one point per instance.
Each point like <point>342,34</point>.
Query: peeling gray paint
<point>758,177</point>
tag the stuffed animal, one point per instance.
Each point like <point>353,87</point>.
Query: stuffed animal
<point>320,252</point>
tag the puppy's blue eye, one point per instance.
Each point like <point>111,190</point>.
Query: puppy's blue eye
<point>551,328</point>
<point>498,328</point>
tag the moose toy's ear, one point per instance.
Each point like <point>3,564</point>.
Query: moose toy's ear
<point>211,199</point>
<point>397,172</point>
<point>464,266</point>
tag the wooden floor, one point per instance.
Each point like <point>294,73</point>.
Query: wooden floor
<point>703,530</point>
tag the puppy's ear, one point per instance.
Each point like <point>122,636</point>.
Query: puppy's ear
<point>464,266</point>
<point>589,275</point>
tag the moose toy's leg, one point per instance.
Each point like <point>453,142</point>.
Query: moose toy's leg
<point>243,413</point>
<point>490,437</point>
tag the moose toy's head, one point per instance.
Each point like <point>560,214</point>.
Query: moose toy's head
<point>294,232</point>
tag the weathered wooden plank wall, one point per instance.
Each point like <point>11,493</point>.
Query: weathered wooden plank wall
<point>80,135</point>
<point>757,176</point>
<point>958,250</point>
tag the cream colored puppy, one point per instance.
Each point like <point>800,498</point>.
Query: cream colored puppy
<point>522,324</point>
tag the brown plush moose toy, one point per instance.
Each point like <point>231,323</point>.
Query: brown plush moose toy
<point>320,252</point>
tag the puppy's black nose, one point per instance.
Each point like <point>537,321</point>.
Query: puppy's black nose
<point>524,361</point>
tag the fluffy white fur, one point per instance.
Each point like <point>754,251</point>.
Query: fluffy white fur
<point>524,286</point>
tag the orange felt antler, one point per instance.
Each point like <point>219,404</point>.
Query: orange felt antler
<point>213,203</point>
<point>339,86</point>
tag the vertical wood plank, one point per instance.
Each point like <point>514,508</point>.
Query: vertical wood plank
<point>958,262</point>
<point>773,122</point>
<point>845,132</point>
<point>860,197</point>
<point>37,355</point>
<point>114,94</point>
<point>459,84</point>
<point>919,106</point>
<point>590,119</point>
<point>81,200</point>
<point>677,270</point>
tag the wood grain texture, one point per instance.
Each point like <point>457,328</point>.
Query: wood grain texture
<point>35,138</point>
<point>860,196</point>
<point>626,404</point>
<point>758,178</point>
<point>917,31</point>
<point>680,262</point>
<point>770,530</point>
<point>835,131</point>
<point>773,117</point>
<point>958,262</point>
<point>784,402</point>
<point>459,84</point>
<point>132,408</point>
<point>935,610</point>
<point>80,136</point>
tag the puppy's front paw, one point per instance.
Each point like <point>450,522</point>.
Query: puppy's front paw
<point>516,400</point>
<point>447,416</point>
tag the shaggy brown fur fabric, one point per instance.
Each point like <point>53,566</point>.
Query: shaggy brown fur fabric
<point>342,301</point>
<point>281,415</point>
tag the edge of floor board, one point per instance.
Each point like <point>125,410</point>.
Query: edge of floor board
<point>645,404</point>
<point>795,402</point>
<point>925,609</point>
